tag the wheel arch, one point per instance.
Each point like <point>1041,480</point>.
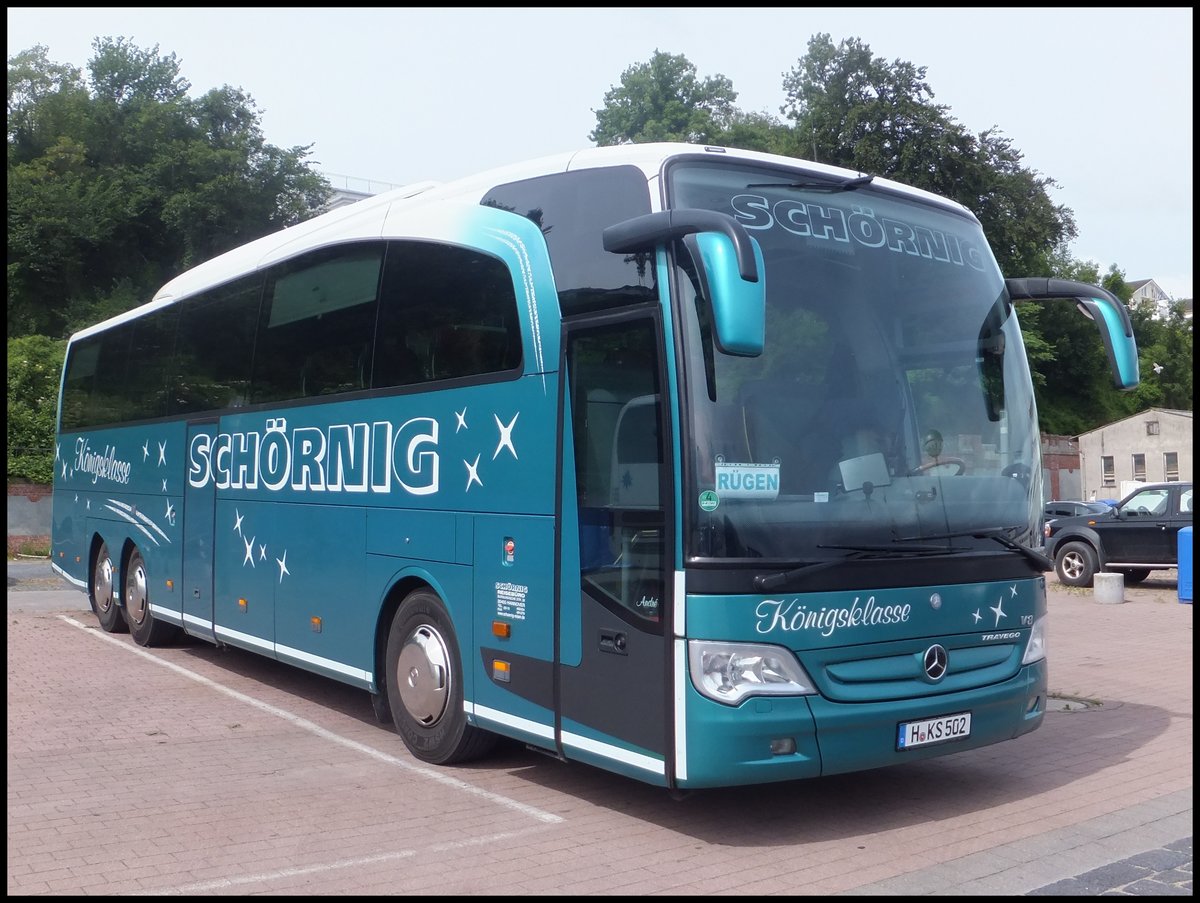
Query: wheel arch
<point>127,548</point>
<point>402,584</point>
<point>1081,534</point>
<point>94,545</point>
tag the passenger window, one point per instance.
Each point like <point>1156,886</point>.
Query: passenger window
<point>215,348</point>
<point>318,324</point>
<point>446,313</point>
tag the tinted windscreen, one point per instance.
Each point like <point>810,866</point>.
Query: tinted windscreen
<point>893,399</point>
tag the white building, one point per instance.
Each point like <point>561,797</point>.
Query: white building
<point>1152,446</point>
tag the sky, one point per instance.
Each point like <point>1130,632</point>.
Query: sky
<point>1099,100</point>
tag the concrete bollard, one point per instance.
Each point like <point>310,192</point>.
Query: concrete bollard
<point>1109,588</point>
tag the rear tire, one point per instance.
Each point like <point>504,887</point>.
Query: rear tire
<point>145,628</point>
<point>425,687</point>
<point>104,602</point>
<point>1075,564</point>
<point>1134,576</point>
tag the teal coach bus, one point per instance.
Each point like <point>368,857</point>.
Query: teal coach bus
<point>703,466</point>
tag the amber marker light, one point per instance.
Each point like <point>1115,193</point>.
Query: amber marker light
<point>500,670</point>
<point>501,629</point>
<point>315,621</point>
<point>242,604</point>
<point>171,584</point>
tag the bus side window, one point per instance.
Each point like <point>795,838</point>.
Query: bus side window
<point>214,348</point>
<point>468,350</point>
<point>318,323</point>
<point>446,312</point>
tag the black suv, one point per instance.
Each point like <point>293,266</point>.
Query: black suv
<point>1139,535</point>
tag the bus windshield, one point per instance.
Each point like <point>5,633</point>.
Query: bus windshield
<point>892,407</point>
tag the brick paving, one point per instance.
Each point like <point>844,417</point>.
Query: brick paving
<point>193,770</point>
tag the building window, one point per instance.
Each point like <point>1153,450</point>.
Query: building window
<point>1151,427</point>
<point>1139,467</point>
<point>1108,474</point>
<point>1171,466</point>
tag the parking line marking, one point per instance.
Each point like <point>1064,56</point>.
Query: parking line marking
<point>306,725</point>
<point>205,887</point>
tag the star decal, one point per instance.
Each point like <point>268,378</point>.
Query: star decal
<point>505,435</point>
<point>57,449</point>
<point>977,616</point>
<point>282,562</point>
<point>64,470</point>
<point>472,473</point>
<point>237,523</point>
<point>164,484</point>
<point>1013,590</point>
<point>162,453</point>
<point>146,450</point>
<point>462,420</point>
<point>998,610</point>
<point>249,552</point>
<point>262,551</point>
<point>170,515</point>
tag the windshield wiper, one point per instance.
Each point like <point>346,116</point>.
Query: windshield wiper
<point>857,553</point>
<point>1000,535</point>
<point>844,185</point>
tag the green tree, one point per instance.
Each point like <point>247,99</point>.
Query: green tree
<point>664,100</point>
<point>856,110</point>
<point>847,107</point>
<point>118,182</point>
<point>34,365</point>
<point>1165,357</point>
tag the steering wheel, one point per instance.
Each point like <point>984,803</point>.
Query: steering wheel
<point>942,464</point>
<point>1018,471</point>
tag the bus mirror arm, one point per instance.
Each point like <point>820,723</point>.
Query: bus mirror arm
<point>1097,304</point>
<point>644,232</point>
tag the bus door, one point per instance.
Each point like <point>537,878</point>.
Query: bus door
<point>198,532</point>
<point>612,654</point>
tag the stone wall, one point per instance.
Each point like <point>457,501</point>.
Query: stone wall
<point>28,516</point>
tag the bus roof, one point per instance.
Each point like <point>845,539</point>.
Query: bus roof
<point>365,219</point>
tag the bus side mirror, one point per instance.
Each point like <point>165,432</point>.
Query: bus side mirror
<point>739,308</point>
<point>1099,305</point>
<point>728,261</point>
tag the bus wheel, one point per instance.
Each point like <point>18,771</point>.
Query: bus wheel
<point>104,603</point>
<point>424,684</point>
<point>146,629</point>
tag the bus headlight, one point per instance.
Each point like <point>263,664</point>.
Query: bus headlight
<point>1035,649</point>
<point>730,672</point>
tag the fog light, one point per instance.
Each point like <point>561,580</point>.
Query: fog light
<point>783,746</point>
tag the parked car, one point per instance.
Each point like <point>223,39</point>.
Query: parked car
<point>1074,509</point>
<point>1139,535</point>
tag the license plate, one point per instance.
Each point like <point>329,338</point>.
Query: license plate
<point>933,730</point>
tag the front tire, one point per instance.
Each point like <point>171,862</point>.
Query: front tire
<point>425,687</point>
<point>1075,564</point>
<point>102,598</point>
<point>145,628</point>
